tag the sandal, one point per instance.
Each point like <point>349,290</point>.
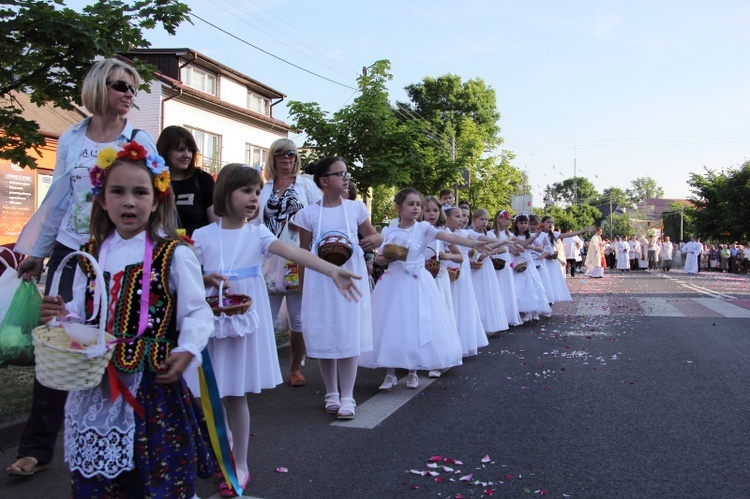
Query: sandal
<point>332,402</point>
<point>389,382</point>
<point>347,409</point>
<point>412,381</point>
<point>25,466</point>
<point>297,380</point>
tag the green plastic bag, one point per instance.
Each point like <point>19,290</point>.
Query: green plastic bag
<point>16,348</point>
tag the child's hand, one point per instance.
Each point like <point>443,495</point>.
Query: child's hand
<point>369,243</point>
<point>214,279</point>
<point>177,363</point>
<point>52,307</point>
<point>345,282</point>
<point>444,255</point>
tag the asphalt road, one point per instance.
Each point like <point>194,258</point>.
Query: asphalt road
<point>638,388</point>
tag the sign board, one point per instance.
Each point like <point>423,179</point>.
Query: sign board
<point>17,199</point>
<point>521,204</point>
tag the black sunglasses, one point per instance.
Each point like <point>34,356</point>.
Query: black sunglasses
<point>122,86</point>
<point>288,154</point>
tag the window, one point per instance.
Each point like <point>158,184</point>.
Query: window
<point>255,156</point>
<point>199,79</point>
<point>209,145</point>
<point>258,104</point>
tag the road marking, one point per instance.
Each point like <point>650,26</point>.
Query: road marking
<point>724,308</point>
<point>592,305</point>
<point>658,307</point>
<point>375,410</point>
<point>707,291</point>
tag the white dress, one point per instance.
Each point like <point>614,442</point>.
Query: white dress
<point>508,285</point>
<point>249,363</point>
<point>466,308</point>
<point>333,327</point>
<point>442,280</point>
<point>692,260</point>
<point>558,289</point>
<point>489,296</point>
<point>411,328</point>
<point>530,292</point>
<point>623,262</point>
<point>540,267</point>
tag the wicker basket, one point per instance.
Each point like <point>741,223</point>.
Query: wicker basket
<point>230,304</point>
<point>453,273</point>
<point>475,264</point>
<point>519,266</point>
<point>432,264</point>
<point>335,247</point>
<point>64,368</point>
<point>498,263</point>
<point>395,252</point>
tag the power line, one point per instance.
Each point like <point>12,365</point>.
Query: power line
<point>272,55</point>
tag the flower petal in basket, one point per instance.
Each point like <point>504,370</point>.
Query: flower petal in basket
<point>230,304</point>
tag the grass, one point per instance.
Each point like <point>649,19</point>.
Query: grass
<point>17,383</point>
<point>16,386</point>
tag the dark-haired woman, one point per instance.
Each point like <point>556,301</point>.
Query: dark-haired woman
<point>283,195</point>
<point>193,188</point>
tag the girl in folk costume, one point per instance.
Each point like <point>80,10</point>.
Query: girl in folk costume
<point>486,287</point>
<point>137,434</point>
<point>242,347</point>
<point>504,276</point>
<point>532,300</point>
<point>468,317</point>
<point>336,331</point>
<point>558,288</point>
<point>537,249</point>
<point>411,328</point>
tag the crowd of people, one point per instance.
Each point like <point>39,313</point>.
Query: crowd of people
<point>445,279</point>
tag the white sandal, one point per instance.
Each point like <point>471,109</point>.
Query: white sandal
<point>412,381</point>
<point>389,382</point>
<point>347,409</point>
<point>332,402</point>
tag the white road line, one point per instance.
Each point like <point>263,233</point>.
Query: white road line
<point>375,410</point>
<point>707,291</point>
<point>724,308</point>
<point>659,307</point>
<point>592,305</point>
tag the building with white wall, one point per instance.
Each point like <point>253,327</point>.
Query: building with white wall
<point>229,113</point>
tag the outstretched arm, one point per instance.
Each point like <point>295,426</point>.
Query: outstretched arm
<point>343,278</point>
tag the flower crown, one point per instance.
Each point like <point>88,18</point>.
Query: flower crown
<point>132,151</point>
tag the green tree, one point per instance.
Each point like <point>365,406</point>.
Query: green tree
<point>47,48</point>
<point>644,188</point>
<point>720,211</point>
<point>579,189</point>
<point>619,198</point>
<point>678,221</point>
<point>575,217</point>
<point>380,149</point>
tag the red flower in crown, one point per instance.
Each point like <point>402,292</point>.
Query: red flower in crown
<point>133,151</point>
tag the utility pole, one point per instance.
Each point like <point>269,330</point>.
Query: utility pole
<point>575,180</point>
<point>611,208</point>
<point>682,215</point>
<point>453,158</point>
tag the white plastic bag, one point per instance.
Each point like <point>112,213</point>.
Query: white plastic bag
<point>9,283</point>
<point>282,275</point>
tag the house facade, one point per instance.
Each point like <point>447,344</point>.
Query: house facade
<point>229,113</point>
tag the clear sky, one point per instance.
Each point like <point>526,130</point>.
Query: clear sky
<point>628,89</point>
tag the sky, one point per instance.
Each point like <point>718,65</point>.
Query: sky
<point>607,90</point>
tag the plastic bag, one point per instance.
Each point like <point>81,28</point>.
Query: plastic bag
<point>9,283</point>
<point>282,275</point>
<point>22,317</point>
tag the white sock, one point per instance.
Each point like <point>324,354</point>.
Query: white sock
<point>238,416</point>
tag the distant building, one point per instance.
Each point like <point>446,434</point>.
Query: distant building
<point>230,114</point>
<point>21,189</point>
<point>653,208</point>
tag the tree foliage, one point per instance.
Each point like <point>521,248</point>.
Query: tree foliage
<point>643,188</point>
<point>572,190</point>
<point>47,48</point>
<point>678,221</point>
<point>575,217</point>
<point>720,209</point>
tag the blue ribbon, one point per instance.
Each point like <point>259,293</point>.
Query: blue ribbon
<point>237,274</point>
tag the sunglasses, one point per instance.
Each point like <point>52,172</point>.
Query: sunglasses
<point>122,86</point>
<point>288,154</point>
<point>341,175</point>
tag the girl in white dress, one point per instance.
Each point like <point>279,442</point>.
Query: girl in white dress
<point>243,347</point>
<point>336,331</point>
<point>468,316</point>
<point>505,278</point>
<point>559,289</point>
<point>486,287</point>
<point>411,327</point>
<point>532,300</point>
<point>537,249</point>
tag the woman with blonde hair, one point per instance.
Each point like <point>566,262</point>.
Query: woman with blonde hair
<point>284,193</point>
